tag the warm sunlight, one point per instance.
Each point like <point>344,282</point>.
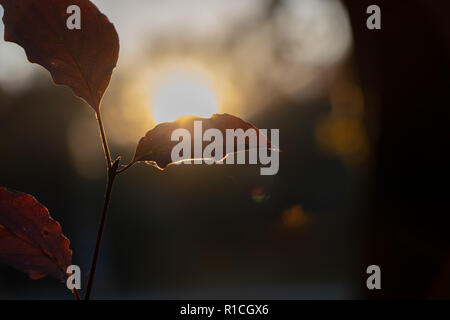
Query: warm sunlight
<point>181,93</point>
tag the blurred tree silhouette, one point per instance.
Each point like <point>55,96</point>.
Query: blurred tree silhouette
<point>404,71</point>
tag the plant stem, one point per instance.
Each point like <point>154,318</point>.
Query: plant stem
<point>111,174</point>
<point>104,140</point>
<point>128,166</point>
<point>76,294</point>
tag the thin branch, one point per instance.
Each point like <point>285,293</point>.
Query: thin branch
<point>125,168</point>
<point>104,140</point>
<point>111,174</point>
<point>76,294</point>
<point>99,236</point>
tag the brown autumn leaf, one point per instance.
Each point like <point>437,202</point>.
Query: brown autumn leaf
<point>30,240</point>
<point>81,59</point>
<point>156,146</point>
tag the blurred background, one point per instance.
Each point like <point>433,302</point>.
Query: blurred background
<point>308,67</point>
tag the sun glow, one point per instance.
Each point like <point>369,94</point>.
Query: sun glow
<point>181,93</point>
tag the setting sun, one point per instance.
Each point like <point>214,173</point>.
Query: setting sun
<point>181,93</point>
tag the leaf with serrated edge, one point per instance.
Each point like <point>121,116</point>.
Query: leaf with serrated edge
<point>30,239</point>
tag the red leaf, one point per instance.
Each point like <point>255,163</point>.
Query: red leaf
<point>156,146</point>
<point>30,240</point>
<point>81,59</point>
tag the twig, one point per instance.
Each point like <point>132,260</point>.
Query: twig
<point>125,168</point>
<point>104,140</point>
<point>76,294</point>
<point>111,174</point>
